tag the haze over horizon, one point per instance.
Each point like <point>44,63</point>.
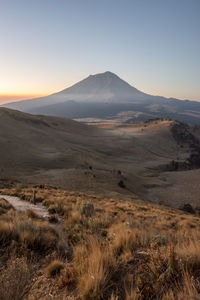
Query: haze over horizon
<point>48,46</point>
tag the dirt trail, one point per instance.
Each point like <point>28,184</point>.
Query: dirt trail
<point>21,205</point>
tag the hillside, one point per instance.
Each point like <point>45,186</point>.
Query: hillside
<point>96,248</point>
<point>107,96</point>
<point>103,211</point>
<point>108,159</point>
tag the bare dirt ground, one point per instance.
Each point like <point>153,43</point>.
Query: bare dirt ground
<point>21,205</point>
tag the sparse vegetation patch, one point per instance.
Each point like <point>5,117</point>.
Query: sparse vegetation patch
<point>99,249</point>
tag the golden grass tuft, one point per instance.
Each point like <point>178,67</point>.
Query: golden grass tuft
<point>54,268</point>
<point>6,232</point>
<point>124,243</point>
<point>95,272</point>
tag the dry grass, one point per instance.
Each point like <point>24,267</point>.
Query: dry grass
<point>29,233</point>
<point>107,248</point>
<point>68,276</point>
<point>54,268</point>
<point>96,271</point>
<point>189,253</point>
<point>4,206</point>
<point>130,292</point>
<point>15,280</point>
<point>6,232</point>
<point>31,214</point>
<point>186,291</point>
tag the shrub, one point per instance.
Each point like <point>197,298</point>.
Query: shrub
<point>121,184</point>
<point>52,209</point>
<point>18,187</point>
<point>161,272</point>
<point>188,208</point>
<point>53,219</point>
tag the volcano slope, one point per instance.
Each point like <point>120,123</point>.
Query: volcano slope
<point>108,159</point>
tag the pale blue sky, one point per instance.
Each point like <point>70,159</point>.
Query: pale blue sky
<point>47,45</point>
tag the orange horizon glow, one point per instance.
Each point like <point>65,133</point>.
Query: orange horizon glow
<point>6,98</point>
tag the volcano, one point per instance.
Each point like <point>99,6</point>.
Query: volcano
<point>107,96</point>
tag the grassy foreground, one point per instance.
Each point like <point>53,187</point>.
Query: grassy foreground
<point>97,248</point>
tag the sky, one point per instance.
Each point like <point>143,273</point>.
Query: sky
<point>48,45</point>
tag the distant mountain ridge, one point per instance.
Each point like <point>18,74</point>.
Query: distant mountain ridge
<point>105,95</point>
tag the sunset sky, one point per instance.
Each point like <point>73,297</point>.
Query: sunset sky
<point>48,45</point>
